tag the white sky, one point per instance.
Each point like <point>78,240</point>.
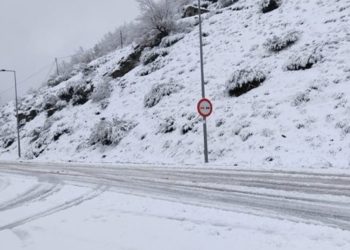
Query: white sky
<point>34,32</point>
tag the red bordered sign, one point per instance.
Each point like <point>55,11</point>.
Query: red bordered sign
<point>205,107</point>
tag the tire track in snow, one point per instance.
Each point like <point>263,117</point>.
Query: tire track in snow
<point>66,205</point>
<point>34,194</point>
<point>3,183</point>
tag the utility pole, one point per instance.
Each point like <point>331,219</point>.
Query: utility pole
<point>205,131</point>
<point>57,71</point>
<point>17,117</point>
<point>121,38</point>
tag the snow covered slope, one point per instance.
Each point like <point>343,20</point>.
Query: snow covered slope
<point>297,117</point>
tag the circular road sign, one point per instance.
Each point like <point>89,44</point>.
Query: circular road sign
<point>205,107</point>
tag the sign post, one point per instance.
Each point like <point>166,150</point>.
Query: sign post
<point>205,108</point>
<point>206,158</point>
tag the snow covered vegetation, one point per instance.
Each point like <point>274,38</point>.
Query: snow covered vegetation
<point>270,5</point>
<point>277,72</point>
<point>243,81</point>
<point>276,43</point>
<point>159,91</point>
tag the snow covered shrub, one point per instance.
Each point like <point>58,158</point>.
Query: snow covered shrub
<point>240,126</point>
<point>7,142</point>
<point>243,81</point>
<point>49,102</point>
<point>150,56</point>
<point>7,138</point>
<point>303,62</point>
<point>192,120</point>
<point>171,40</point>
<point>153,67</point>
<point>226,3</point>
<point>78,92</point>
<point>301,98</point>
<point>344,126</point>
<point>167,126</point>
<point>102,91</point>
<point>245,135</point>
<point>276,43</point>
<point>129,63</point>
<point>158,91</point>
<point>56,80</point>
<point>40,139</point>
<point>270,5</point>
<point>27,116</point>
<point>35,134</point>
<point>61,131</point>
<point>82,94</point>
<point>36,149</point>
<point>190,10</point>
<point>110,132</point>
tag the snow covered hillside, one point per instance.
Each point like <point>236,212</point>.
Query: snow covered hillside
<point>279,81</point>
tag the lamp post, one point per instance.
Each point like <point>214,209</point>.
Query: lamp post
<point>206,158</point>
<point>16,98</point>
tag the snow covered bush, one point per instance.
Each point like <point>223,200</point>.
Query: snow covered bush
<point>128,63</point>
<point>171,40</point>
<point>303,62</point>
<point>150,56</point>
<point>245,135</point>
<point>27,116</point>
<point>167,126</point>
<point>7,138</point>
<point>300,98</point>
<point>110,132</point>
<point>102,91</point>
<point>82,94</point>
<point>270,5</point>
<point>192,120</point>
<point>40,139</point>
<point>36,148</point>
<point>78,92</point>
<point>276,44</point>
<point>153,67</point>
<point>57,79</point>
<point>158,91</point>
<point>35,134</point>
<point>59,133</point>
<point>7,142</point>
<point>51,104</point>
<point>49,101</point>
<point>226,3</point>
<point>243,81</point>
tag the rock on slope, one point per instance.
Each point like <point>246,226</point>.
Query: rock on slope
<point>293,61</point>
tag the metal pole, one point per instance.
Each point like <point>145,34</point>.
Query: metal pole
<point>206,158</point>
<point>18,136</point>
<point>57,71</point>
<point>121,38</point>
<point>16,102</point>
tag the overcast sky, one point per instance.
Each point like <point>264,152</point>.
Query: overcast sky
<point>34,32</point>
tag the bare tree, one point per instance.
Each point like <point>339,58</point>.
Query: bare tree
<point>158,16</point>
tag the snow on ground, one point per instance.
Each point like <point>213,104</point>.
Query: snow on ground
<point>79,216</point>
<point>295,119</point>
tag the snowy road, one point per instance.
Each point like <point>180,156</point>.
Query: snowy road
<point>293,199</point>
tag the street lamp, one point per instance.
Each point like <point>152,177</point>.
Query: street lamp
<point>202,81</point>
<point>16,98</point>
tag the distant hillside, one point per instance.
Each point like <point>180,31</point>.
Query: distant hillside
<point>278,75</point>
